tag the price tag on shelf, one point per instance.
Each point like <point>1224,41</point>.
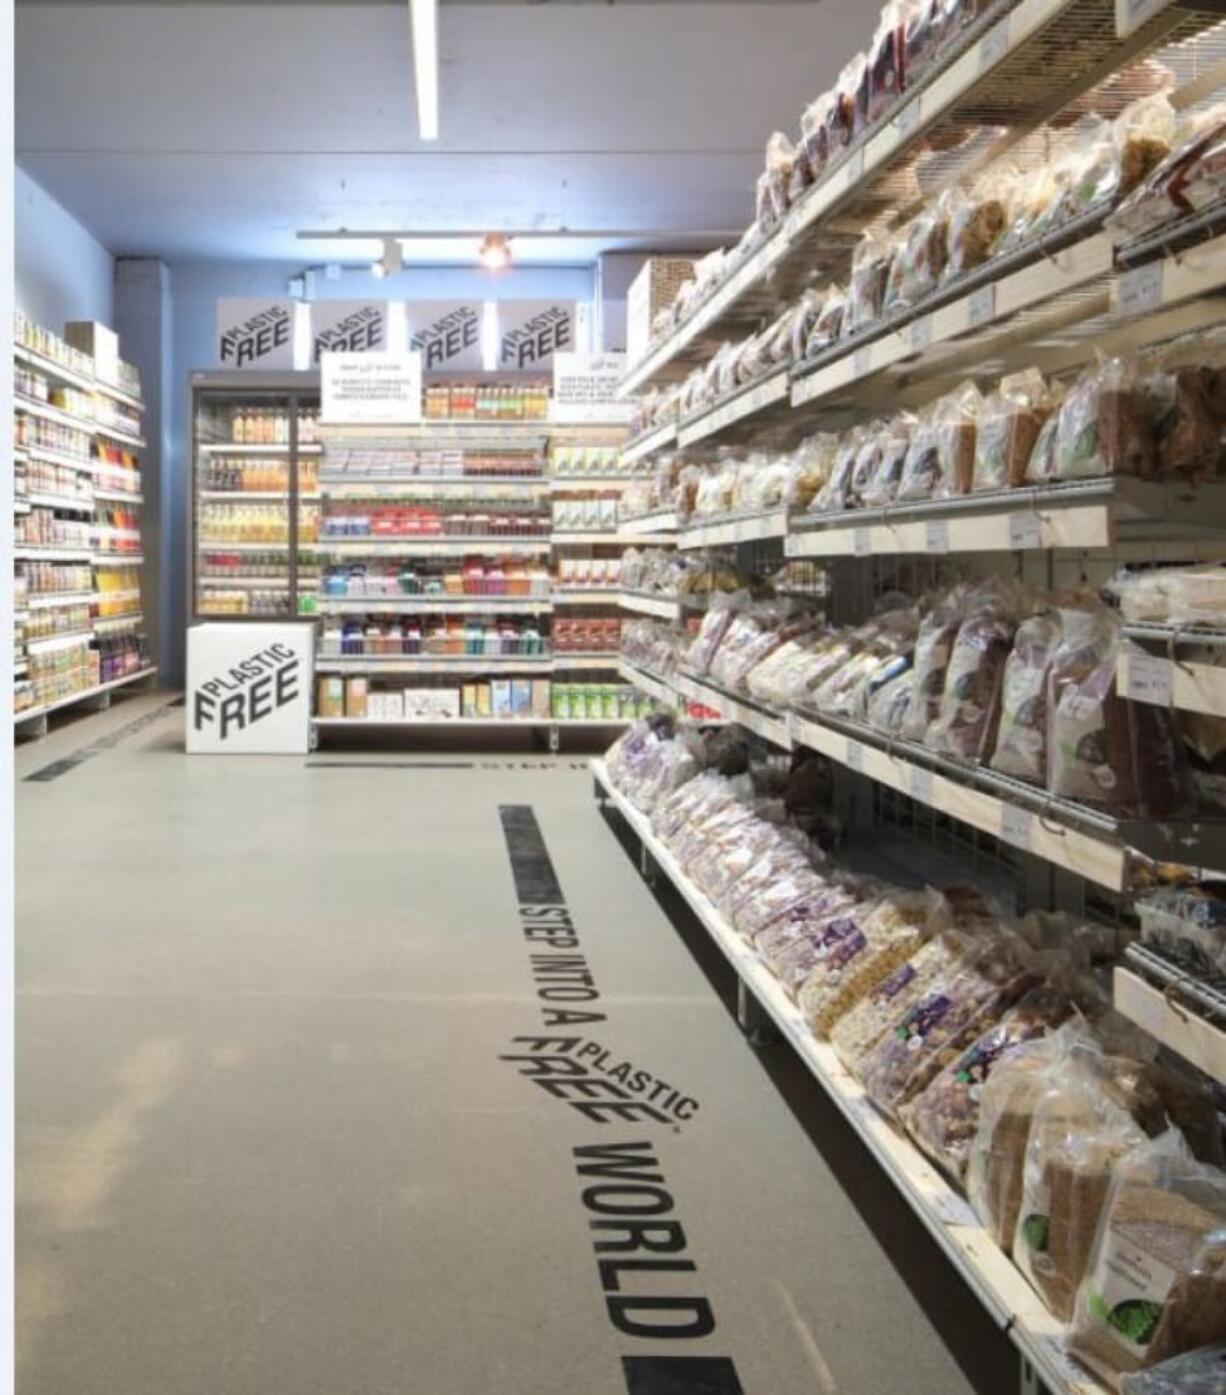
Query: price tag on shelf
<point>861,542</point>
<point>1015,826</point>
<point>1148,678</point>
<point>862,362</point>
<point>921,785</point>
<point>1025,531</point>
<point>920,334</point>
<point>908,118</point>
<point>855,756</point>
<point>1130,15</point>
<point>994,45</point>
<point>936,534</point>
<point>949,1207</point>
<point>1139,291</point>
<point>981,307</point>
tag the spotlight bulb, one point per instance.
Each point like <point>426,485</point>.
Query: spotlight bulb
<point>495,252</point>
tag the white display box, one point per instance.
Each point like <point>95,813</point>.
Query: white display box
<point>249,688</point>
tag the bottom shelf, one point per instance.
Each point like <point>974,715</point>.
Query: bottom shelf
<point>30,714</point>
<point>570,722</point>
<point>944,1212</point>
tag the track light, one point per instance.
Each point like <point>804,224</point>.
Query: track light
<point>390,262</point>
<point>423,15</point>
<point>495,252</point>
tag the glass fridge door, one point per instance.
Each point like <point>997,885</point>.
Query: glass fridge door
<point>244,452</point>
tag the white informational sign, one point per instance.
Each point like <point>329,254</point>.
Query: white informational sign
<point>249,689</point>
<point>585,388</point>
<point>348,327</point>
<point>447,333</point>
<point>530,332</point>
<point>377,389</point>
<point>255,333</point>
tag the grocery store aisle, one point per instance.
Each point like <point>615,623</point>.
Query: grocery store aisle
<point>270,1138</point>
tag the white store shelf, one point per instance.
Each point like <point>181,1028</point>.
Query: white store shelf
<point>664,521</point>
<point>1191,686</point>
<point>118,559</point>
<point>602,663</point>
<point>426,605</point>
<point>411,486</point>
<point>58,599</point>
<point>242,496</point>
<point>648,683</point>
<point>29,714</point>
<point>33,451</point>
<point>643,603</point>
<point>432,663</point>
<point>594,538</point>
<point>1171,1023</point>
<point>435,547</point>
<point>574,484</point>
<point>483,723</point>
<point>117,433</point>
<point>581,595</point>
<point>233,448</point>
<point>62,501</point>
<point>31,407</point>
<point>750,401</point>
<point>52,554</point>
<point>645,445</point>
<point>731,531</point>
<point>117,496</point>
<point>52,644</point>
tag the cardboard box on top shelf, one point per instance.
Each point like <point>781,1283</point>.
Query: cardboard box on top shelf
<point>652,290</point>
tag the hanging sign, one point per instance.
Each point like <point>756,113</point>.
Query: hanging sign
<point>348,327</point>
<point>530,332</point>
<point>255,333</point>
<point>585,388</point>
<point>447,333</point>
<point>249,689</point>
<point>383,389</point>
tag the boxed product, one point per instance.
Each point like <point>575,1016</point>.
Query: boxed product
<point>485,706</point>
<point>468,700</point>
<point>356,689</point>
<point>521,697</point>
<point>500,697</point>
<point>561,701</point>
<point>654,289</point>
<point>331,696</point>
<point>540,697</point>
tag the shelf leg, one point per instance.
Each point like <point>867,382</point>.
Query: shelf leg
<point>100,702</point>
<point>555,738</point>
<point>1029,1382</point>
<point>751,1018</point>
<point>33,729</point>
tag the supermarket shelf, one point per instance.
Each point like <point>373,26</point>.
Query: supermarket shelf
<point>433,663</point>
<point>59,598</point>
<point>244,583</point>
<point>105,623</point>
<point>62,501</point>
<point>427,605</point>
<point>752,408</point>
<point>86,382</point>
<point>649,683</point>
<point>1071,514</point>
<point>236,496</point>
<point>33,451</point>
<point>1170,1020</point>
<point>410,486</point>
<point>474,433</point>
<point>31,407</point>
<point>52,554</point>
<point>21,505</point>
<point>118,496</point>
<point>664,521</point>
<point>589,539</point>
<point>1015,67</point>
<point>50,644</point>
<point>579,595</point>
<point>762,721</point>
<point>565,484</point>
<point>207,545</point>
<point>728,532</point>
<point>646,444</point>
<point>1168,680</point>
<point>115,433</point>
<point>233,448</point>
<point>118,559</point>
<point>1171,280</point>
<point>999,1285</point>
<point>566,723</point>
<point>20,668</point>
<point>434,547</point>
<point>602,663</point>
<point>645,603</point>
<point>30,714</point>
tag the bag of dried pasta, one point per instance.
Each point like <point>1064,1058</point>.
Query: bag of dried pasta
<point>1155,1285</point>
<point>1009,424</point>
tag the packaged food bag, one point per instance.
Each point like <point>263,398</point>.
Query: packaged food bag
<point>1010,420</point>
<point>870,270</point>
<point>834,495</point>
<point>978,219</point>
<point>955,421</point>
<point>887,59</point>
<point>921,469</point>
<point>1077,1134</point>
<point>1187,430</point>
<point>919,260</point>
<point>815,131</point>
<point>969,710</point>
<point>828,329</point>
<point>1155,1286</point>
<point>881,487</point>
<point>933,646</point>
<point>1199,1372</point>
<point>1044,463</point>
<point>1021,739</point>
<point>943,1119</point>
<point>1104,427</point>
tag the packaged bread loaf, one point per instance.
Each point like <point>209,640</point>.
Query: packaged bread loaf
<point>1187,430</point>
<point>870,270</point>
<point>828,328</point>
<point>1199,1372</point>
<point>815,133</point>
<point>887,58</point>
<point>955,420</point>
<point>1010,420</point>
<point>895,440</point>
<point>834,495</point>
<point>966,720</point>
<point>1021,740</point>
<point>1044,462</point>
<point>1077,1135</point>
<point>1006,1107</point>
<point>978,219</point>
<point>923,26</point>
<point>1104,426</point>
<point>1155,1285</point>
<point>920,257</point>
<point>933,645</point>
<point>943,1119</point>
<point>863,948</point>
<point>921,469</point>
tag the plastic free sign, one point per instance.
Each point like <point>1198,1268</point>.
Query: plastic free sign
<point>585,388</point>
<point>447,334</point>
<point>348,327</point>
<point>255,333</point>
<point>381,389</point>
<point>249,689</point>
<point>530,332</point>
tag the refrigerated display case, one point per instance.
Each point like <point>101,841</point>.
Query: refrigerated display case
<point>254,523</point>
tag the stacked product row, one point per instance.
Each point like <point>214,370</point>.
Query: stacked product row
<point>990,1044</point>
<point>533,700</point>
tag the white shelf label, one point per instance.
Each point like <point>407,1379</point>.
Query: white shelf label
<point>1025,530</point>
<point>1130,15</point>
<point>855,166</point>
<point>981,307</point>
<point>1139,291</point>
<point>861,542</point>
<point>921,785</point>
<point>1015,825</point>
<point>994,45</point>
<point>908,118</point>
<point>862,362</point>
<point>855,756</point>
<point>953,1209</point>
<point>920,335</point>
<point>1149,679</point>
<point>936,534</point>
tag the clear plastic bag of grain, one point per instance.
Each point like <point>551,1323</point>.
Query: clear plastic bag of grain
<point>1199,1372</point>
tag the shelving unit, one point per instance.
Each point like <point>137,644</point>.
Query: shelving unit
<point>69,454</point>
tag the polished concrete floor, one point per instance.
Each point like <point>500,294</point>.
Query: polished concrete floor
<point>267,1145</point>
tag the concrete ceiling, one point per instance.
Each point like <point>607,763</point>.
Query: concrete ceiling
<point>220,130</point>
